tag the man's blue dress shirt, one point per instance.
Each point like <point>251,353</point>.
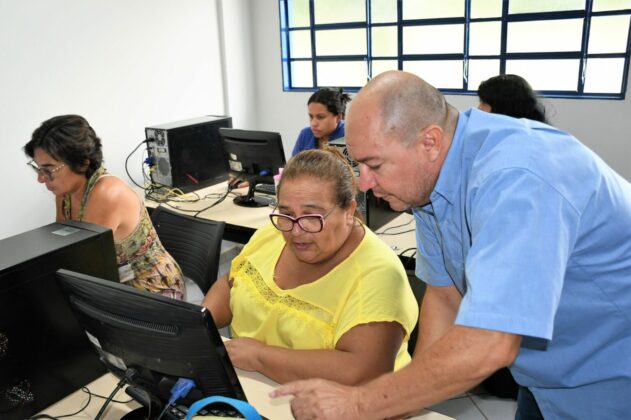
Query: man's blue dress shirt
<point>534,230</point>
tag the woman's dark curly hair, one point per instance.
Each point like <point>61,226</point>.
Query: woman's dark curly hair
<point>69,139</point>
<point>510,94</point>
<point>334,99</point>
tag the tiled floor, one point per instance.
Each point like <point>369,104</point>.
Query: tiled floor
<point>477,404</point>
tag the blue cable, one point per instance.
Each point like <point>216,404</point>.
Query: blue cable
<point>180,389</point>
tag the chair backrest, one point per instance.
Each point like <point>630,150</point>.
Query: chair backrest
<point>193,242</point>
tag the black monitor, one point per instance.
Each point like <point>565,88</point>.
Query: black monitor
<point>44,355</point>
<point>162,339</point>
<point>254,156</point>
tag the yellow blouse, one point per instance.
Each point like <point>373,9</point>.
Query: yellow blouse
<point>369,286</point>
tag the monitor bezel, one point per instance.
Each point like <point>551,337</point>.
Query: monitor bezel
<point>239,146</point>
<point>100,306</point>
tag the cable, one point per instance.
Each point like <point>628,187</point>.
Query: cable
<point>409,259</point>
<point>87,391</point>
<point>47,416</point>
<point>396,233</point>
<point>222,198</point>
<point>127,160</point>
<point>179,390</point>
<point>385,231</point>
<point>129,376</point>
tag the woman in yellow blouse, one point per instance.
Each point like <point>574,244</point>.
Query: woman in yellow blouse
<point>316,293</point>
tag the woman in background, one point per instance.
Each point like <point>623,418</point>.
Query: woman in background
<point>510,94</point>
<point>326,109</point>
<point>315,293</point>
<point>67,157</point>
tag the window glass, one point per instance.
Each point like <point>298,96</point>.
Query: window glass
<point>342,73</point>
<point>604,5</point>
<point>538,6</point>
<point>604,75</point>
<point>480,70</point>
<point>536,39</point>
<point>433,39</point>
<point>383,11</point>
<point>301,74</point>
<point>486,8</point>
<point>608,34</point>
<point>379,66</point>
<point>545,36</point>
<point>336,11</point>
<point>446,74</point>
<point>427,9</point>
<point>298,11</point>
<point>300,44</point>
<point>485,38</point>
<point>547,74</point>
<point>384,41</point>
<point>341,42</point>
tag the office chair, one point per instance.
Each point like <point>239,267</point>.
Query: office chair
<point>193,242</point>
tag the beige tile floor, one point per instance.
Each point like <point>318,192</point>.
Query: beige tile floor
<point>477,404</point>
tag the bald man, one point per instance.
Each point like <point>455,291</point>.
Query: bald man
<point>523,241</point>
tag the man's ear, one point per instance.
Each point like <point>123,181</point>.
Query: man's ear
<point>431,140</point>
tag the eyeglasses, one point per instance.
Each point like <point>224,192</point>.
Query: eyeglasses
<point>45,171</point>
<point>310,223</point>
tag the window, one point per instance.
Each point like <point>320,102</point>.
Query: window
<point>564,48</point>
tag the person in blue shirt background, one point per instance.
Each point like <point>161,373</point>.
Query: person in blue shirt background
<point>327,108</point>
<point>523,241</point>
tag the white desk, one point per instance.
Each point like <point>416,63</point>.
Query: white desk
<point>241,222</point>
<point>256,387</point>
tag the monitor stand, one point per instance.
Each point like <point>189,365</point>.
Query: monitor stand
<point>145,400</point>
<point>139,414</point>
<point>250,200</point>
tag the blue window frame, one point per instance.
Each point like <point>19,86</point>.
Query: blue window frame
<point>564,48</point>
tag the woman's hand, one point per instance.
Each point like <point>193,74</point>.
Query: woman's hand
<point>244,353</point>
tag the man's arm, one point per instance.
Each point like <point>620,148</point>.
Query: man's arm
<point>457,361</point>
<point>437,313</point>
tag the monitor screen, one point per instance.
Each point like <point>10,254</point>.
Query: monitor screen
<point>162,339</point>
<point>44,355</point>
<point>254,156</point>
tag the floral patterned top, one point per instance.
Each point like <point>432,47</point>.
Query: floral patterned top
<point>141,258</point>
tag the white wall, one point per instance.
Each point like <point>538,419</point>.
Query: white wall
<point>239,61</point>
<point>126,65</point>
<point>122,64</point>
<point>604,126</point>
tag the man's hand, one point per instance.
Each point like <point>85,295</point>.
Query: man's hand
<point>321,399</point>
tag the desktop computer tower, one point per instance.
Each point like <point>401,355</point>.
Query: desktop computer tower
<point>187,154</point>
<point>376,211</point>
<point>44,354</point>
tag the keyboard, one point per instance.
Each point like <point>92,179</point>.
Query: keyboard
<point>179,412</point>
<point>265,189</point>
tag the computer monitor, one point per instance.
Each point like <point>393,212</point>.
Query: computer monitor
<point>44,355</point>
<point>254,156</point>
<point>162,339</point>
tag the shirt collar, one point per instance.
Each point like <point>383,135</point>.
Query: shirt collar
<point>450,176</point>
